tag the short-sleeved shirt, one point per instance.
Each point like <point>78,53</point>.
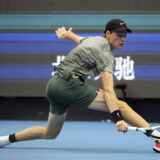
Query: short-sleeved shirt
<point>89,58</point>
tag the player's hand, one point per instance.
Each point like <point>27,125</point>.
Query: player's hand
<point>122,126</point>
<point>62,32</point>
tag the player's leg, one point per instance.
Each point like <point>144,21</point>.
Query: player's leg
<point>99,102</point>
<point>55,123</point>
<point>51,131</point>
<point>128,113</point>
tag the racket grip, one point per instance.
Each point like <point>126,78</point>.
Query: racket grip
<point>132,128</point>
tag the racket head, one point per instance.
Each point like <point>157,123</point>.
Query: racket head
<point>155,128</point>
<point>153,132</point>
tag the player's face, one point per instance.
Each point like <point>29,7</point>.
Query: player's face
<point>116,40</point>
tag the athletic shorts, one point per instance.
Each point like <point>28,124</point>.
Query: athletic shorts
<point>63,94</point>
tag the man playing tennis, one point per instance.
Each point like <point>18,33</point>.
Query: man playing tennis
<point>67,88</point>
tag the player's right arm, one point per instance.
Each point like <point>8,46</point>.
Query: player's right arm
<point>111,100</point>
<point>63,33</point>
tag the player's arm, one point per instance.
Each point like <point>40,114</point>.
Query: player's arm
<point>63,33</point>
<point>111,100</point>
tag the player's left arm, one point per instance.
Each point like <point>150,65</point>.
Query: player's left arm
<point>63,33</point>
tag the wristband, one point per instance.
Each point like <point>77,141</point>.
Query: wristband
<point>117,116</point>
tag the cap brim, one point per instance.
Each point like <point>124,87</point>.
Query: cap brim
<point>123,30</point>
<point>129,30</point>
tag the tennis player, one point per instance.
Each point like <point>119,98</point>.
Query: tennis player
<point>68,88</point>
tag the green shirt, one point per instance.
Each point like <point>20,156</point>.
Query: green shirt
<point>89,58</point>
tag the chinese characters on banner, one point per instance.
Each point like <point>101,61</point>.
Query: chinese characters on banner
<point>124,68</point>
<point>55,64</point>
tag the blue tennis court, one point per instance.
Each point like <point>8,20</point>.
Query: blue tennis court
<point>79,141</point>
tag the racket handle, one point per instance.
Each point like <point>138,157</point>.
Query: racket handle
<point>137,129</point>
<point>132,128</point>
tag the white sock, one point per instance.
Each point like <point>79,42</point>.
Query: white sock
<point>4,140</point>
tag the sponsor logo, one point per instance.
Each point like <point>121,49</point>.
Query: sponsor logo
<point>118,115</point>
<point>121,23</point>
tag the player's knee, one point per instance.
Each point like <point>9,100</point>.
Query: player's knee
<point>39,131</point>
<point>49,135</point>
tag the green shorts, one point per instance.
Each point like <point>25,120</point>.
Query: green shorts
<point>63,94</point>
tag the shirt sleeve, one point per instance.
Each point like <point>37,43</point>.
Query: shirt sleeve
<point>83,39</point>
<point>109,68</point>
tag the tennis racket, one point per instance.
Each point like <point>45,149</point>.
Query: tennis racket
<point>153,132</point>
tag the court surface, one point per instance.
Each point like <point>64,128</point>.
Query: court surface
<point>79,141</point>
